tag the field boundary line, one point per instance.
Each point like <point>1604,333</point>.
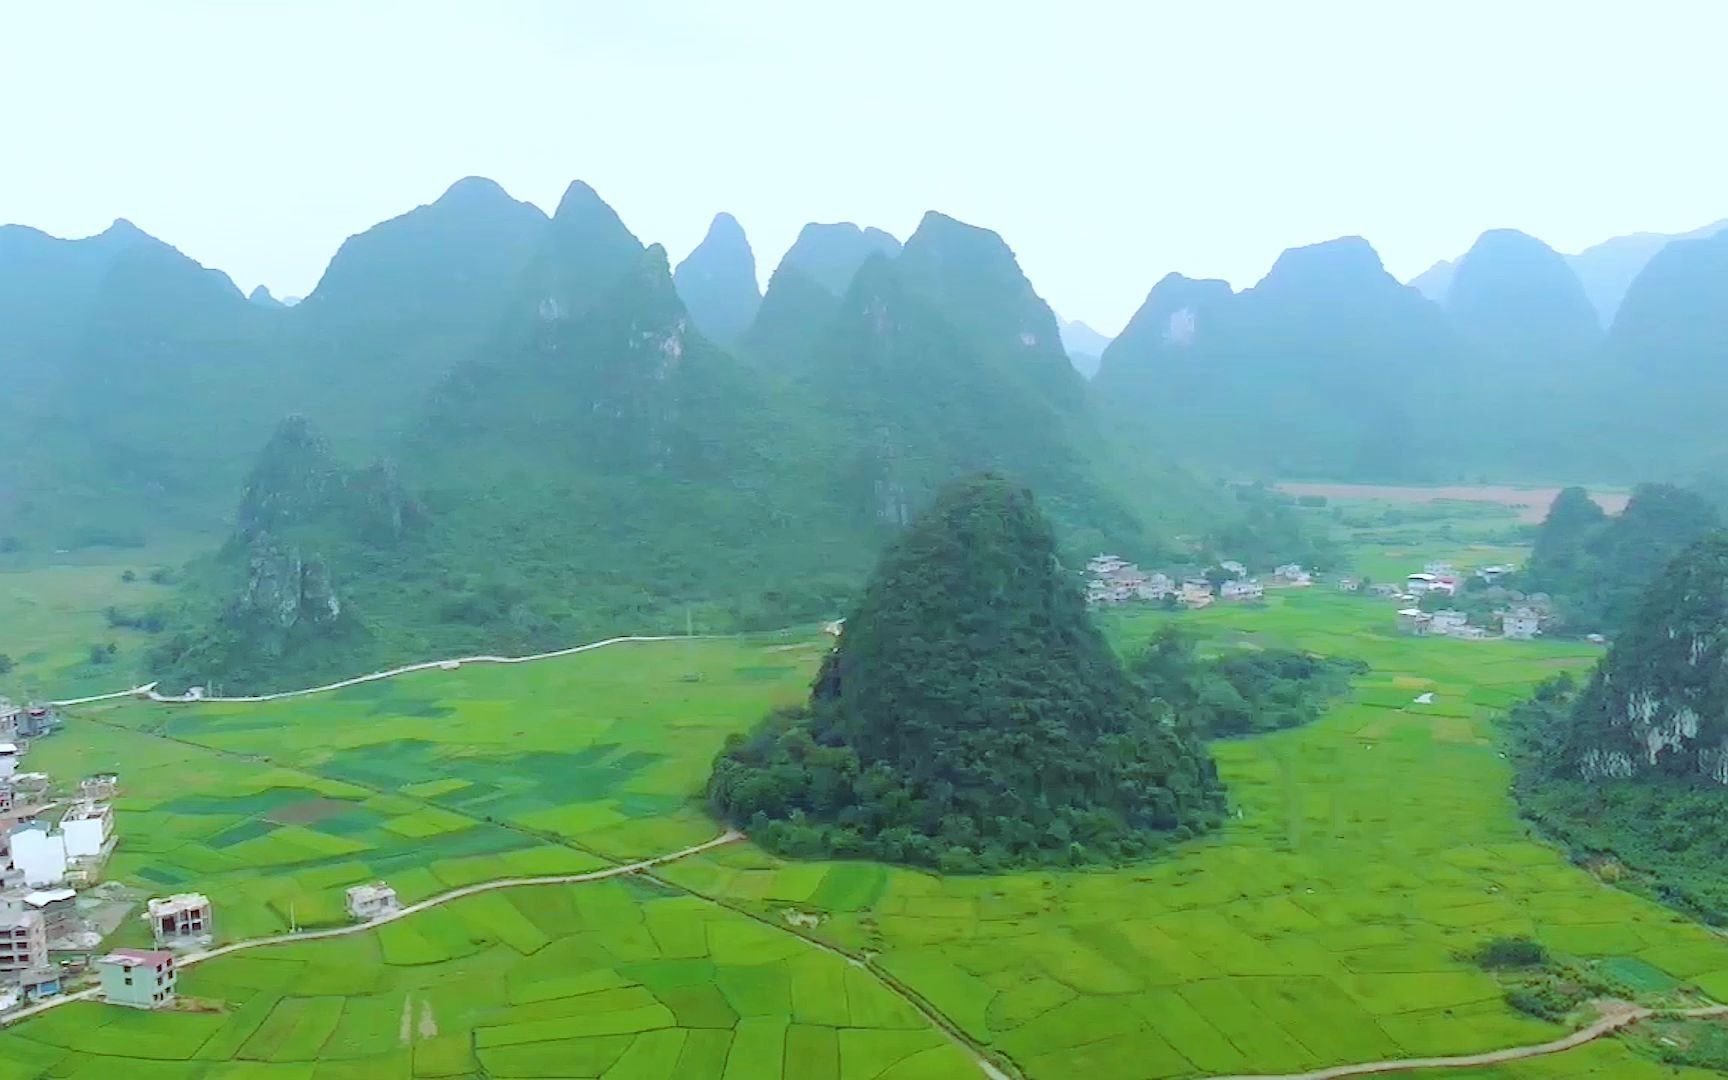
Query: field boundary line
<point>939,1019</point>
<point>1608,1025</point>
<point>730,836</point>
<point>148,690</point>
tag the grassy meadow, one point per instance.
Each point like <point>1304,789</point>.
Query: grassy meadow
<point>1328,922</point>
<point>51,614</point>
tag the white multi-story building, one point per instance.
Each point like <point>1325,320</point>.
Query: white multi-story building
<point>38,854</point>
<point>86,828</point>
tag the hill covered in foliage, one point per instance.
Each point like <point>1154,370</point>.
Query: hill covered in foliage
<point>1598,568</point>
<point>971,717</point>
<point>596,463</point>
<point>1634,765</point>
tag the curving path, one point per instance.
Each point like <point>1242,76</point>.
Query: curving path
<point>148,690</point>
<point>1617,1018</point>
<point>730,836</point>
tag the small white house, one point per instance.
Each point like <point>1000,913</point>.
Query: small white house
<point>1230,566</point>
<point>1241,590</point>
<point>367,902</point>
<point>1520,624</point>
<point>1417,584</point>
<point>9,757</point>
<point>1293,574</point>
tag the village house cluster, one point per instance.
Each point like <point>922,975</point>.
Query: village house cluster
<point>38,911</point>
<point>1518,621</point>
<point>1111,579</point>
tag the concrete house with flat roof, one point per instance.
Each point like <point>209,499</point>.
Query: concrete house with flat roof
<point>137,978</point>
<point>181,917</point>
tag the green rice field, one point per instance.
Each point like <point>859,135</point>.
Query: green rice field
<point>431,781</point>
<point>1328,922</point>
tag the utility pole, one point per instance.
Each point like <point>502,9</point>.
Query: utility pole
<point>689,622</point>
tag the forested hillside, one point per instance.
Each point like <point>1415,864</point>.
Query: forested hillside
<point>592,462</point>
<point>971,716</point>
<point>1631,769</point>
<point>1599,568</point>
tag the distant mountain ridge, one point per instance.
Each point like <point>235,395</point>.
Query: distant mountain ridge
<point>1605,271</point>
<point>1085,346</point>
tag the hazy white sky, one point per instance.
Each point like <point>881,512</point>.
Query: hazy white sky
<point>1109,142</point>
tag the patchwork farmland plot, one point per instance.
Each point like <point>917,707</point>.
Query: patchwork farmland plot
<point>1326,923</point>
<point>431,781</point>
<point>544,981</point>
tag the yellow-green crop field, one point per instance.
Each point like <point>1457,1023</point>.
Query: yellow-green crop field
<point>1326,923</point>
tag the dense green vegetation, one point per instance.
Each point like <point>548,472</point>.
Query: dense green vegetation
<point>1628,769</point>
<point>1241,692</point>
<point>574,454</point>
<point>971,717</point>
<point>1598,568</point>
<point>1335,917</point>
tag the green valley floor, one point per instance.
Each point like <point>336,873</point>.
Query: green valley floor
<point>1327,923</point>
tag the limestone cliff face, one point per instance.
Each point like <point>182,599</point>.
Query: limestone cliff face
<point>300,512</point>
<point>1658,703</point>
<point>285,594</point>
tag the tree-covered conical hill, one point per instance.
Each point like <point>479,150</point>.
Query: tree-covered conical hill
<point>971,717</point>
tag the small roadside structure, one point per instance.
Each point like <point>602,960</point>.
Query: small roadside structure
<point>38,720</point>
<point>137,978</point>
<point>1349,584</point>
<point>181,917</point>
<point>368,902</point>
<point>1520,624</point>
<point>39,983</point>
